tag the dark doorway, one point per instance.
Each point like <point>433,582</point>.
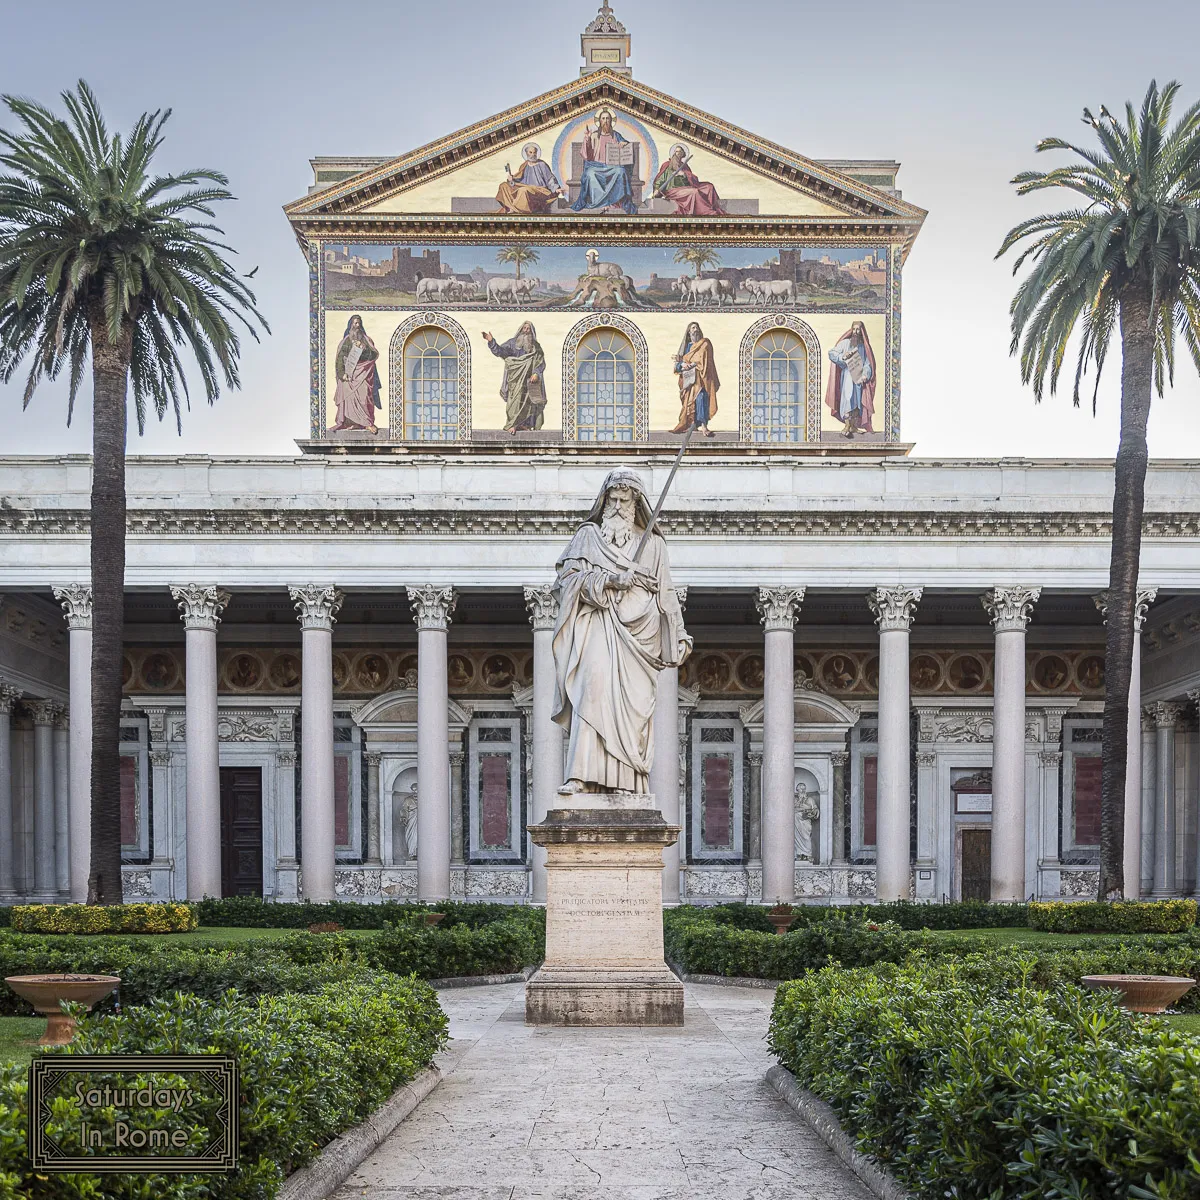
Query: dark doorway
<point>241,831</point>
<point>976,864</point>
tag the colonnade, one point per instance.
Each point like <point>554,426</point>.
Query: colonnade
<point>62,789</point>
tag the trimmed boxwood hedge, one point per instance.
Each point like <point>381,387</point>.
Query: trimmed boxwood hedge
<point>103,918</point>
<point>1124,916</point>
<point>302,962</point>
<point>701,947</point>
<point>249,912</point>
<point>968,1079</point>
<point>310,1066</point>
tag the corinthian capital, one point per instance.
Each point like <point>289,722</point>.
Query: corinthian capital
<point>893,607</point>
<point>201,605</point>
<point>1167,713</point>
<point>1141,605</point>
<point>542,603</point>
<point>778,606</point>
<point>432,606</point>
<point>9,695</point>
<point>316,606</point>
<point>1009,607</point>
<point>44,712</point>
<point>76,601</point>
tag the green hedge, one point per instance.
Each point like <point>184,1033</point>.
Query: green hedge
<point>968,1080</point>
<point>310,1067</point>
<point>1125,916</point>
<point>101,918</point>
<point>249,912</point>
<point>706,948</point>
<point>302,962</point>
<point>959,914</point>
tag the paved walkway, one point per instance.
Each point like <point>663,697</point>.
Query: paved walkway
<point>605,1114</point>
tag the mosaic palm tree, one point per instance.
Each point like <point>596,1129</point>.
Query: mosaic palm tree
<point>1127,259</point>
<point>101,257</point>
<point>519,255</point>
<point>698,257</point>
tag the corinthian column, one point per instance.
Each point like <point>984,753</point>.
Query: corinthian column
<point>893,608</point>
<point>1166,716</point>
<point>201,607</point>
<point>1132,834</point>
<point>76,601</point>
<point>8,697</point>
<point>432,608</point>
<point>664,770</point>
<point>62,803</point>
<point>778,608</point>
<point>316,608</point>
<point>44,714</point>
<point>1009,608</point>
<point>542,603</point>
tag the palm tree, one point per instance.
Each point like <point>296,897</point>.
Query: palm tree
<point>517,254</point>
<point>1127,257</point>
<point>99,256</point>
<point>698,256</point>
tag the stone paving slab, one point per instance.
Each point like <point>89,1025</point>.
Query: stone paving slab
<point>604,1114</point>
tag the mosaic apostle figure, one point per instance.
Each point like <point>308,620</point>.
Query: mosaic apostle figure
<point>619,624</point>
<point>533,189</point>
<point>357,394</point>
<point>523,390</point>
<point>850,395</point>
<point>677,182</point>
<point>698,381</point>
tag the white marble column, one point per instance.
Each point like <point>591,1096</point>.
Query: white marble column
<point>893,608</point>
<point>8,697</point>
<point>373,761</point>
<point>458,855</point>
<point>664,769</point>
<point>925,866</point>
<point>778,608</point>
<point>754,851</point>
<point>316,609</point>
<point>287,866</point>
<point>62,803</point>
<point>1166,717</point>
<point>542,603</point>
<point>1149,791</point>
<point>44,714</point>
<point>1133,758</point>
<point>200,606</point>
<point>76,601</point>
<point>432,608</point>
<point>1009,608</point>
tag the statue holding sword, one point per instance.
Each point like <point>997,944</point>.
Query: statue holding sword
<point>619,624</point>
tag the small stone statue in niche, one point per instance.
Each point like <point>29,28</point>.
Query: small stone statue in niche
<point>408,814</point>
<point>805,815</point>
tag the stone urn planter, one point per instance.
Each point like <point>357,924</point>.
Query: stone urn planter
<point>781,917</point>
<point>1142,993</point>
<point>432,918</point>
<point>46,993</point>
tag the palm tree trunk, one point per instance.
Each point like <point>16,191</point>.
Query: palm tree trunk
<point>110,375</point>
<point>1137,368</point>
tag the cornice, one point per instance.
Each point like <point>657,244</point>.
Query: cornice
<point>560,104</point>
<point>504,522</point>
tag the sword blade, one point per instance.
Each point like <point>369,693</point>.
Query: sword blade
<point>637,554</point>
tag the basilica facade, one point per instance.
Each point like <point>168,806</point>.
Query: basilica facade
<point>338,666</point>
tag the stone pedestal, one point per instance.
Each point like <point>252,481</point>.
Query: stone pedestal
<point>604,945</point>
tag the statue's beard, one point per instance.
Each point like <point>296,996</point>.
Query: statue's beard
<point>525,342</point>
<point>617,528</point>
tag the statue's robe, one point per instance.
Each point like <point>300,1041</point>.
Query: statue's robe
<point>844,396</point>
<point>357,393</point>
<point>691,197</point>
<point>697,400</point>
<point>608,649</point>
<point>524,398</point>
<point>602,185</point>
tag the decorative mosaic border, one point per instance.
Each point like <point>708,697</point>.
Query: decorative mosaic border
<point>892,307</point>
<point>641,373</point>
<point>812,382</point>
<point>316,340</point>
<point>404,331</point>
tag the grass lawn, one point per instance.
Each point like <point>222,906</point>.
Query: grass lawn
<point>1020,936</point>
<point>1184,1022</point>
<point>16,1034</point>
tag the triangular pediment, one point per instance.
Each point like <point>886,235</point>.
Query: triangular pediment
<point>752,178</point>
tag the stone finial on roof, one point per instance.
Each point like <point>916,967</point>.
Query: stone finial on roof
<point>605,44</point>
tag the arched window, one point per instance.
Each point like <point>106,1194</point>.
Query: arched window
<point>430,387</point>
<point>604,397</point>
<point>778,402</point>
<point>778,379</point>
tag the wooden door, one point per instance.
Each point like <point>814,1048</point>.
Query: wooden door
<point>976,864</point>
<point>241,831</point>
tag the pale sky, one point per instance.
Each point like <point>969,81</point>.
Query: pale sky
<point>959,93</point>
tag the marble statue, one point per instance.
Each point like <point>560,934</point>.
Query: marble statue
<point>408,812</point>
<point>619,624</point>
<point>804,817</point>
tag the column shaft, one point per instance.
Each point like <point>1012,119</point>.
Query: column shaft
<point>203,800</point>
<point>76,600</point>
<point>1166,715</point>
<point>1132,839</point>
<point>754,854</point>
<point>1009,608</point>
<point>373,761</point>
<point>432,607</point>
<point>893,843</point>
<point>8,697</point>
<point>664,773</point>
<point>542,603</point>
<point>62,808</point>
<point>1149,794</point>
<point>44,878</point>
<point>458,855</point>
<point>317,607</point>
